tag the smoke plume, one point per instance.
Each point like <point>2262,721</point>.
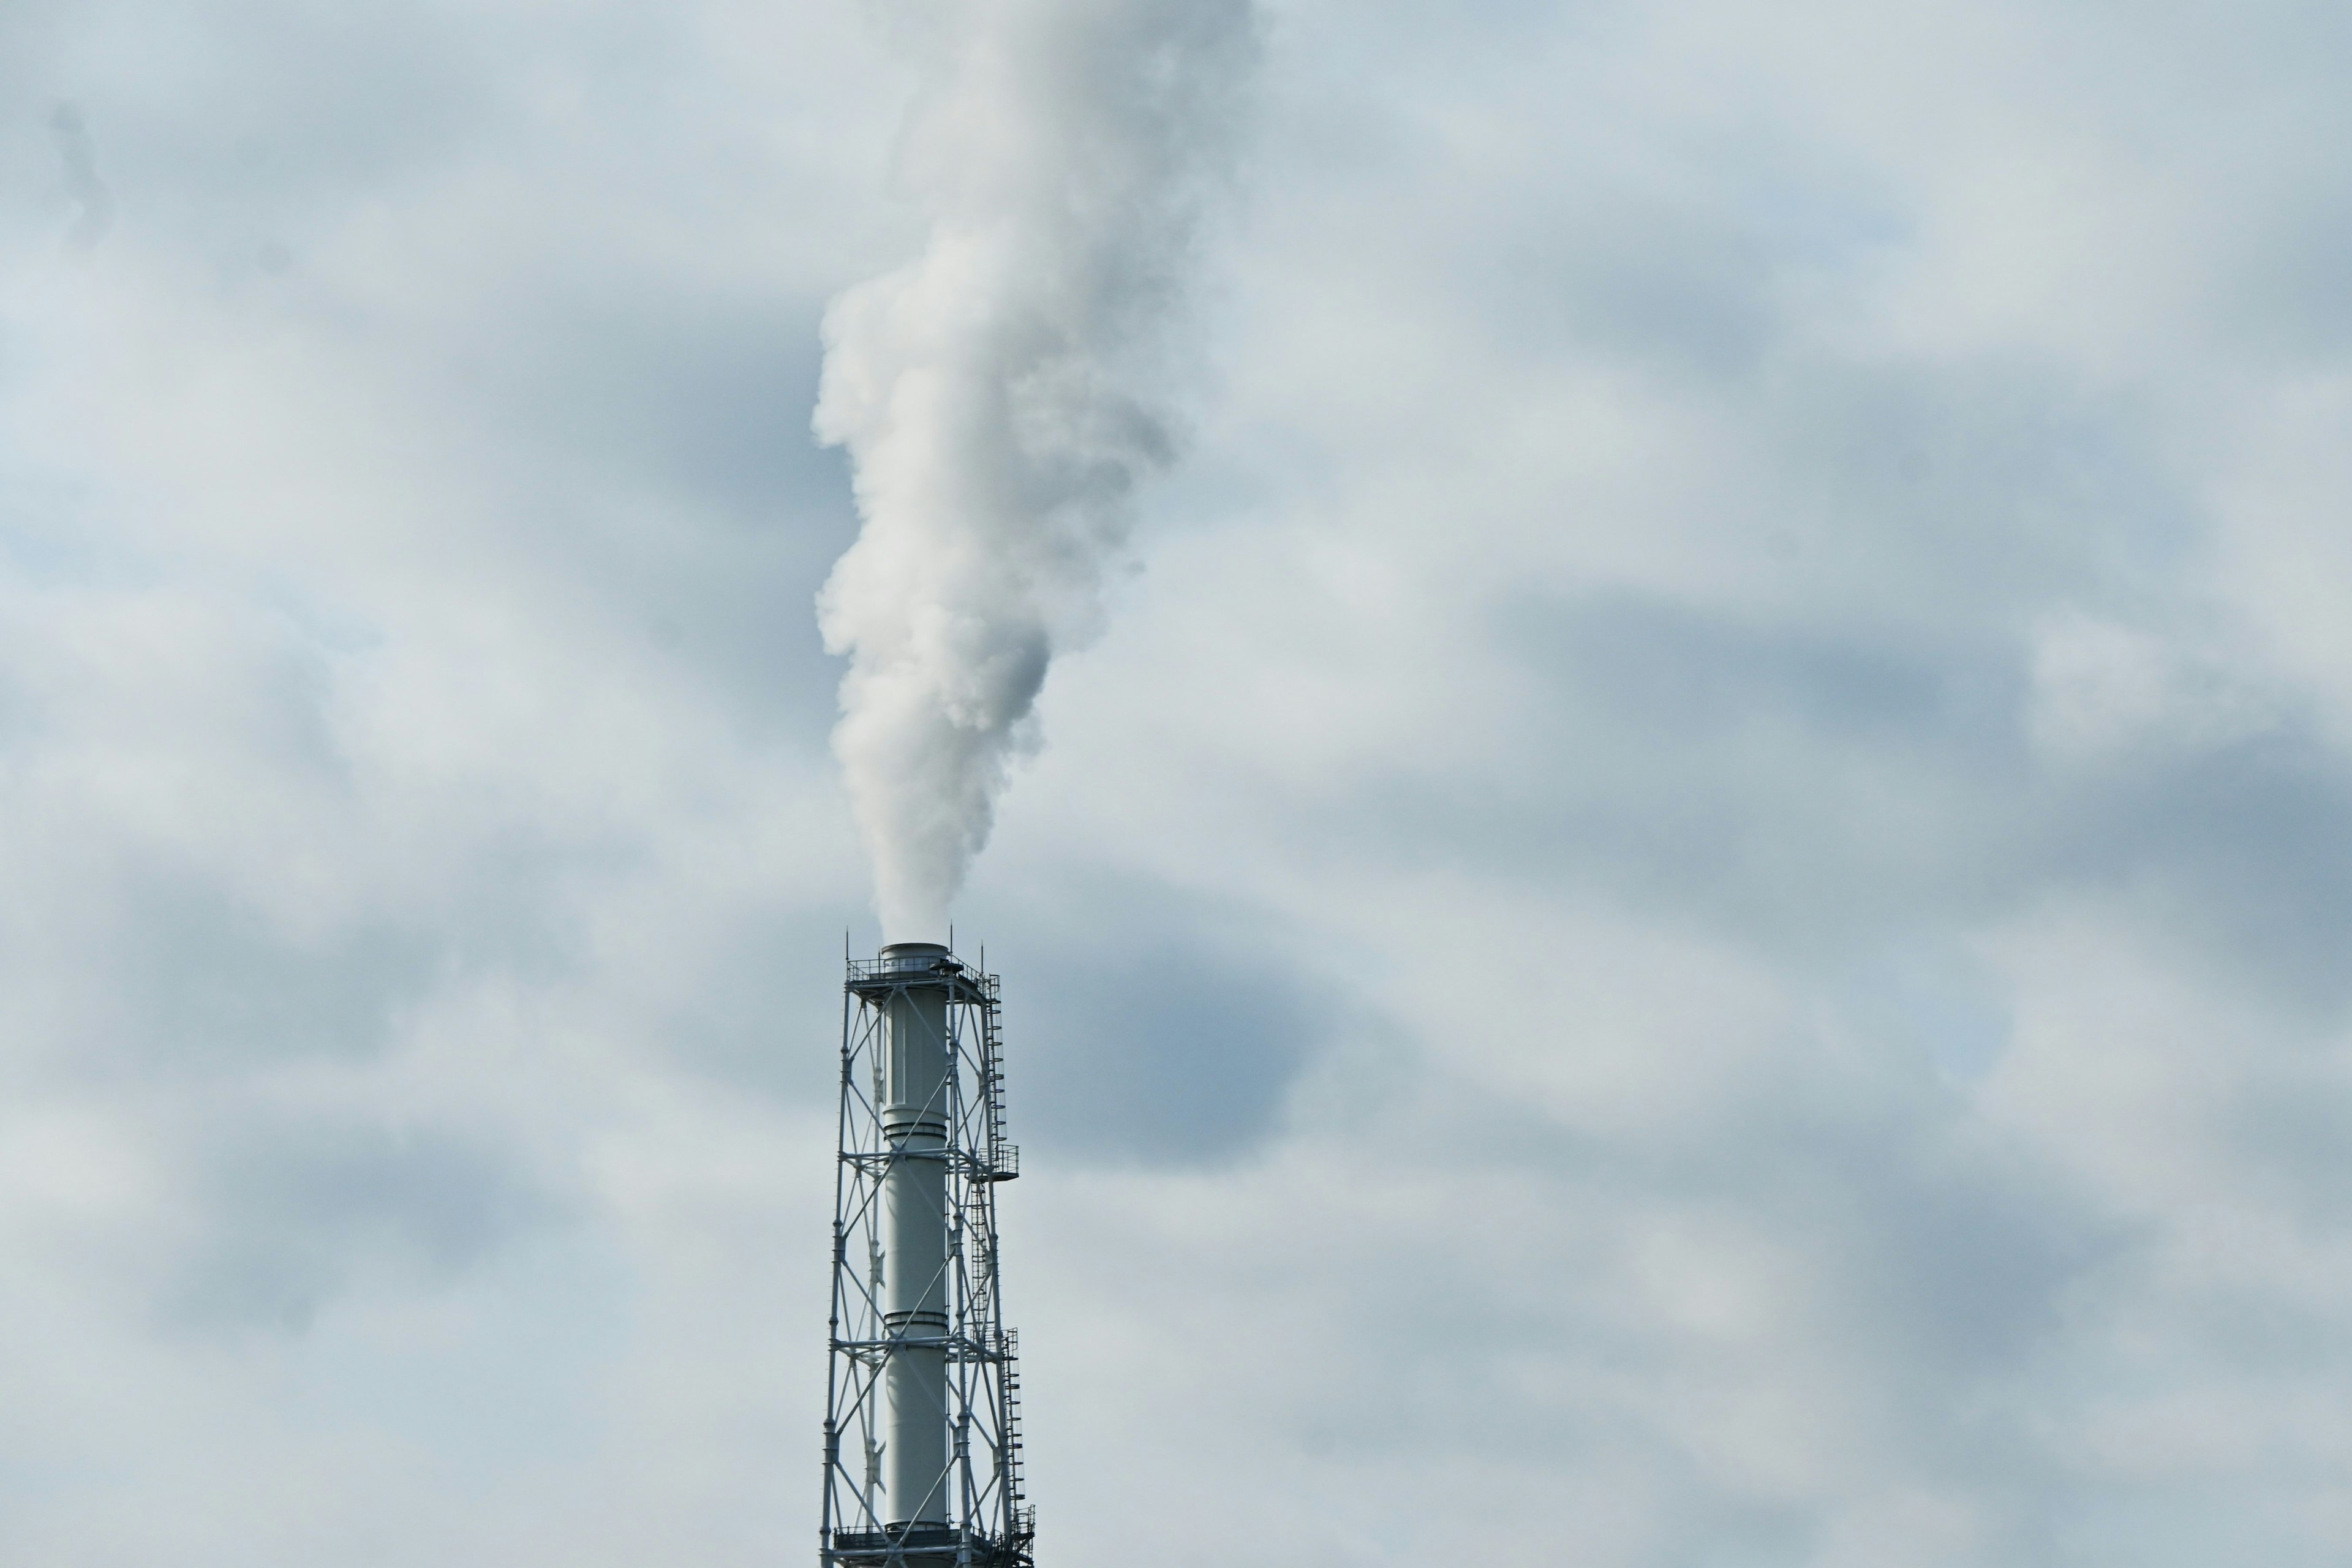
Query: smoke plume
<point>1003,396</point>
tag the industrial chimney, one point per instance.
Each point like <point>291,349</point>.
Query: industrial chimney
<point>923,1429</point>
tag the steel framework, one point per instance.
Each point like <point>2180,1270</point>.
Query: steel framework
<point>974,1515</point>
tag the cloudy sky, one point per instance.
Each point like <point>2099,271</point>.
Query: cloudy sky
<point>1692,905</point>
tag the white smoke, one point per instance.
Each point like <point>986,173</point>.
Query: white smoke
<point>1001,396</point>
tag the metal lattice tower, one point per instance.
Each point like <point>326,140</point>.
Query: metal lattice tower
<point>922,1426</point>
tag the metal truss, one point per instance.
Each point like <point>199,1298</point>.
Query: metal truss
<point>990,1524</point>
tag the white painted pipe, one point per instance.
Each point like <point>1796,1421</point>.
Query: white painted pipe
<point>915,1244</point>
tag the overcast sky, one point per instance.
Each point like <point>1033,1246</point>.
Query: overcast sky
<point>1692,913</point>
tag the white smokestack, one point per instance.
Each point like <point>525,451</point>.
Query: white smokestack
<point>1003,396</point>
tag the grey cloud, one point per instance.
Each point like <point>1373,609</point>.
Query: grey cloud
<point>1163,1054</point>
<point>275,108</point>
<point>1168,1034</point>
<point>1689,276</point>
<point>212,987</point>
<point>77,152</point>
<point>2290,1126</point>
<point>655,382</point>
<point>1953,501</point>
<point>294,1213</point>
<point>1770,776</point>
<point>1675,671</point>
<point>1968,1270</point>
<point>1695,758</point>
<point>767,1021</point>
<point>2246,848</point>
<point>211,984</point>
<point>2296,297</point>
<point>619,388</point>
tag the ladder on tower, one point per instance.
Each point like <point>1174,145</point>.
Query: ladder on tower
<point>1014,1480</point>
<point>1003,1158</point>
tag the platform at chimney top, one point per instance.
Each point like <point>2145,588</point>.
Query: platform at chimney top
<point>906,966</point>
<point>927,1546</point>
